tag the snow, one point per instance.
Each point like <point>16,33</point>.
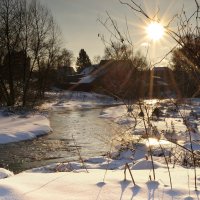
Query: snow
<point>69,100</point>
<point>146,164</point>
<point>98,184</point>
<point>4,173</point>
<point>88,70</point>
<point>164,124</point>
<point>102,178</point>
<point>195,146</point>
<point>18,127</point>
<point>87,79</point>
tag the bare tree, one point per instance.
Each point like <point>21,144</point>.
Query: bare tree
<point>96,59</point>
<point>65,58</point>
<point>118,51</point>
<point>29,33</point>
<point>10,27</point>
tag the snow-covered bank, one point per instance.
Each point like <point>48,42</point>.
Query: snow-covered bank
<point>4,173</point>
<point>171,123</point>
<point>71,181</point>
<point>78,100</point>
<point>99,185</point>
<point>15,127</point>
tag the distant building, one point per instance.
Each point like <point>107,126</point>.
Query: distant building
<point>110,75</point>
<point>88,70</point>
<point>121,78</point>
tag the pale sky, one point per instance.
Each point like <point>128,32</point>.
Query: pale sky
<point>78,22</point>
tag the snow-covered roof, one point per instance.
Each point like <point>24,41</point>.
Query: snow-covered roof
<point>88,70</point>
<point>87,79</point>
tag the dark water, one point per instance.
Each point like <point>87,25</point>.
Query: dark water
<point>91,135</point>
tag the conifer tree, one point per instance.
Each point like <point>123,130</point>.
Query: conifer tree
<point>83,61</point>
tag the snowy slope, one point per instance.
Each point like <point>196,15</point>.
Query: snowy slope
<point>16,128</point>
<point>91,186</point>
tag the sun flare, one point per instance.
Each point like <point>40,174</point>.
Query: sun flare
<point>155,31</point>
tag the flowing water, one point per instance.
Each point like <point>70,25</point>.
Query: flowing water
<point>74,132</point>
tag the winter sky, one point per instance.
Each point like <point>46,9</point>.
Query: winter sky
<point>80,27</point>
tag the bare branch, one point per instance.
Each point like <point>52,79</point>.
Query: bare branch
<point>137,8</point>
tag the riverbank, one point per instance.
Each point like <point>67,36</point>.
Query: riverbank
<point>77,100</point>
<point>102,177</point>
<point>69,182</point>
<point>174,121</point>
<point>20,126</point>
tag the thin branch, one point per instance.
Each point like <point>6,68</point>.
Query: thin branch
<point>137,8</point>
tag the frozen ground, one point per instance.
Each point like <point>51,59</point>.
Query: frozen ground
<point>105,177</point>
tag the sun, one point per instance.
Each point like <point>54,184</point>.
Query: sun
<point>155,31</point>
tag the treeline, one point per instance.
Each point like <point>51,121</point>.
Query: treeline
<point>186,65</point>
<point>30,50</point>
<point>30,54</point>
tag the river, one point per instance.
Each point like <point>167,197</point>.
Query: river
<point>73,131</point>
